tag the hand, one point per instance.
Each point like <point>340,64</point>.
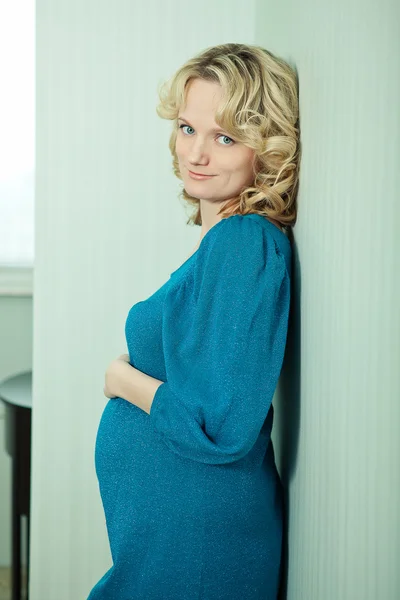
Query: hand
<point>124,357</point>
<point>110,375</point>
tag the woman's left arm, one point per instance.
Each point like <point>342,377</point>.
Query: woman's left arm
<point>126,382</point>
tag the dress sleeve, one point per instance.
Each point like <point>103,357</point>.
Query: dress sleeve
<point>224,335</point>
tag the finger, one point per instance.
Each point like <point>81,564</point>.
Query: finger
<point>107,393</point>
<point>124,357</point>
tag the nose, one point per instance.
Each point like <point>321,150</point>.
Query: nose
<point>198,163</point>
<point>197,152</point>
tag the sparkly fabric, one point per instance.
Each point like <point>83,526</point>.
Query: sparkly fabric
<point>191,494</point>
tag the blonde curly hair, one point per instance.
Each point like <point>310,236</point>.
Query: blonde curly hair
<point>260,109</point>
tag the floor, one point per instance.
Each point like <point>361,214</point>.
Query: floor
<point>5,583</point>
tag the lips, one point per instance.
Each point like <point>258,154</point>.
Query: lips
<point>204,174</point>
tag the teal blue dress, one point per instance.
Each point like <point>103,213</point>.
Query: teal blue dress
<point>192,497</point>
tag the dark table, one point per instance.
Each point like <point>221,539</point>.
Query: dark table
<point>16,393</point>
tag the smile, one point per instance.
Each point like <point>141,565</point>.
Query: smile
<point>196,176</point>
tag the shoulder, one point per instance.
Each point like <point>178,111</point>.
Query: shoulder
<point>244,239</point>
<point>238,254</point>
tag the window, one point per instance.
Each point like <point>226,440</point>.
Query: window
<point>17,141</point>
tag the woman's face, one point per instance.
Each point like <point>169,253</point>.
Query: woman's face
<point>203,147</point>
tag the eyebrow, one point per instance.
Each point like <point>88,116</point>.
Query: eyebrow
<point>182,118</point>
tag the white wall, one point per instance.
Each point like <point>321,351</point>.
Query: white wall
<point>338,422</point>
<point>109,230</point>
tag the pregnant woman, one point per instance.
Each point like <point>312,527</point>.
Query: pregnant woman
<point>191,494</point>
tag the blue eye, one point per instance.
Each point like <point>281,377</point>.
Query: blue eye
<point>221,135</point>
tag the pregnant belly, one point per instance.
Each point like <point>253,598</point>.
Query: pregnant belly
<point>137,471</point>
<point>129,452</point>
<point>131,459</point>
<point>122,441</point>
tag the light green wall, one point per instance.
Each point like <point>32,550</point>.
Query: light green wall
<point>337,421</point>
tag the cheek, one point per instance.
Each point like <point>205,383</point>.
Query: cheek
<point>180,152</point>
<point>179,143</point>
<point>247,164</point>
<point>240,168</point>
